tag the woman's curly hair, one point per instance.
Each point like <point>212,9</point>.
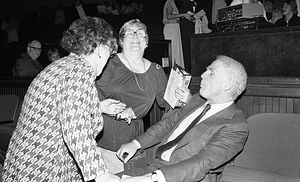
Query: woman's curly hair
<point>84,35</point>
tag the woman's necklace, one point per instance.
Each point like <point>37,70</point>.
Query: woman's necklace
<point>135,77</point>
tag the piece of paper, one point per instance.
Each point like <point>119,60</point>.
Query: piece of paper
<point>113,163</point>
<point>200,14</point>
<point>177,78</point>
<point>124,176</point>
<point>190,13</point>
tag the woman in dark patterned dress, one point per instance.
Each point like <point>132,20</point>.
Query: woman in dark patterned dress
<point>135,81</point>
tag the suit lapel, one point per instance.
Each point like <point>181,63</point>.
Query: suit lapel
<point>198,130</point>
<point>186,112</point>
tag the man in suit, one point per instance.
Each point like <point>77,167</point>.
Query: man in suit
<point>212,143</point>
<point>27,65</point>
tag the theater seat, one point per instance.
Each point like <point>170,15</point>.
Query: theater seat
<point>10,107</point>
<point>271,152</point>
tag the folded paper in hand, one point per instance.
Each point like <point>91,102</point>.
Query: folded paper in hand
<point>200,14</point>
<point>178,78</point>
<point>112,162</point>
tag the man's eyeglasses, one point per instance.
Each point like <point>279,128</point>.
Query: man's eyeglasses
<point>36,48</point>
<point>139,33</point>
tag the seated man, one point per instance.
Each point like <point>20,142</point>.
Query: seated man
<point>27,64</point>
<point>214,140</point>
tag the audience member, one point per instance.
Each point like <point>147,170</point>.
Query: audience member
<point>276,15</point>
<point>137,6</point>
<point>116,8</point>
<point>133,80</point>
<point>191,151</point>
<point>53,54</point>
<point>27,64</point>
<point>55,136</point>
<point>171,30</point>
<point>268,5</point>
<point>290,14</point>
<point>127,7</point>
<point>107,8</point>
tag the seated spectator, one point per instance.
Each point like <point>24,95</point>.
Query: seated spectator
<point>137,6</point>
<point>116,8</point>
<point>53,54</point>
<point>127,7</point>
<point>276,15</point>
<point>192,145</point>
<point>27,64</point>
<point>290,14</point>
<point>268,5</point>
<point>107,8</point>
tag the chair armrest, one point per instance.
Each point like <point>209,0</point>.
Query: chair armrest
<point>239,174</point>
<point>6,121</point>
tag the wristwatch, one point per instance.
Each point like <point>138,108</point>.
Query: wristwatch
<point>154,177</point>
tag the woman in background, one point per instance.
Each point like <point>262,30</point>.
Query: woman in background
<point>53,54</point>
<point>172,32</point>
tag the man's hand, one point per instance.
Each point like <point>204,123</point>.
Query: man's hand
<point>108,177</point>
<point>145,178</point>
<point>183,95</point>
<point>111,106</point>
<point>126,151</point>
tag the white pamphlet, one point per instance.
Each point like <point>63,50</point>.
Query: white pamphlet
<point>177,78</point>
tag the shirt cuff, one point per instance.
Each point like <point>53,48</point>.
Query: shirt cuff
<point>160,175</point>
<point>137,143</point>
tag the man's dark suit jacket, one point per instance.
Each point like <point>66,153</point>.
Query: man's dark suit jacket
<point>26,66</point>
<point>207,146</point>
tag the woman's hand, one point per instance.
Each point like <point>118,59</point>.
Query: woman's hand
<point>112,107</point>
<point>187,16</point>
<point>183,95</point>
<point>127,114</point>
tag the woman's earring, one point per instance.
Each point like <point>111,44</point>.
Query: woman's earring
<point>99,55</point>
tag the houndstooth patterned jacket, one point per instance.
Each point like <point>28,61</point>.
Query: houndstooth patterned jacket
<point>60,118</point>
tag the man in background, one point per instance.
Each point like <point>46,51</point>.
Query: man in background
<point>27,64</point>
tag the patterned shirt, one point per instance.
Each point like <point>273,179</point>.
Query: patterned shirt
<point>60,118</point>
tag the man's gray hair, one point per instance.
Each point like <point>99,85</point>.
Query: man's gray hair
<point>236,73</point>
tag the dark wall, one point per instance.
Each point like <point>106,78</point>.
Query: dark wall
<point>266,52</point>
